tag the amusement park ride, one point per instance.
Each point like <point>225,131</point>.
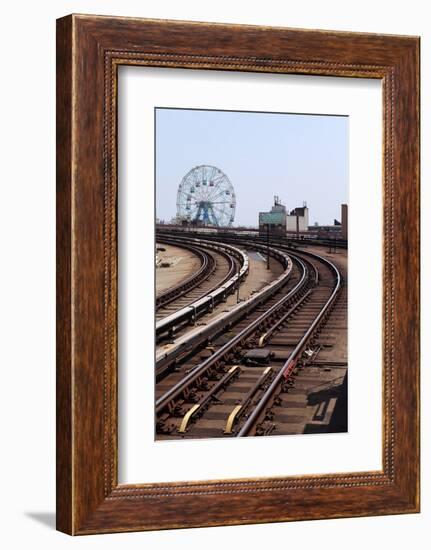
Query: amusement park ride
<point>206,196</point>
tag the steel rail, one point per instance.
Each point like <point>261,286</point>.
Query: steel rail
<point>274,239</point>
<point>206,268</point>
<point>232,270</point>
<point>216,327</point>
<point>183,385</point>
<point>290,362</point>
<point>192,311</point>
<point>226,278</point>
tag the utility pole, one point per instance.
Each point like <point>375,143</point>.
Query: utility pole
<point>297,226</point>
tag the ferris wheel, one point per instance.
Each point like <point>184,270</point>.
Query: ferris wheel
<point>206,195</point>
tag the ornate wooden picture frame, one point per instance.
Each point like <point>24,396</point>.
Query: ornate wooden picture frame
<point>89,51</point>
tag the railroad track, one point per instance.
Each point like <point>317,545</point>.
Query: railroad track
<point>207,267</point>
<point>191,343</point>
<point>228,267</point>
<point>272,412</point>
<point>217,267</point>
<point>333,242</point>
<point>237,388</point>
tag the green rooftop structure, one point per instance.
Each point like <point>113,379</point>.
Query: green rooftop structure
<point>274,221</point>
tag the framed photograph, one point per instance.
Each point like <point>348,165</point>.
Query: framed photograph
<point>237,274</point>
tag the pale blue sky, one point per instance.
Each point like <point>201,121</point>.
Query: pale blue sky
<point>297,157</point>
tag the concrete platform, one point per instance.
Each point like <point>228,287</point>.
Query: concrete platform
<point>183,264</point>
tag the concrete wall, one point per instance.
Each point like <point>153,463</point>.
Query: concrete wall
<point>303,221</point>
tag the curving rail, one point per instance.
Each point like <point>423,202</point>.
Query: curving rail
<point>189,387</point>
<point>186,344</point>
<point>288,367</point>
<point>184,385</point>
<point>292,240</point>
<point>190,313</point>
<point>207,267</point>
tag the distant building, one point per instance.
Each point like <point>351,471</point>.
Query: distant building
<point>278,221</point>
<point>274,220</point>
<point>297,220</point>
<point>338,230</point>
<point>344,221</point>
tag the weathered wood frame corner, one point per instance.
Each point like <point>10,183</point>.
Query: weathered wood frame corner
<point>89,51</point>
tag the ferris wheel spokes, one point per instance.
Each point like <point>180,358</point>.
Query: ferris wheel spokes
<point>206,195</point>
